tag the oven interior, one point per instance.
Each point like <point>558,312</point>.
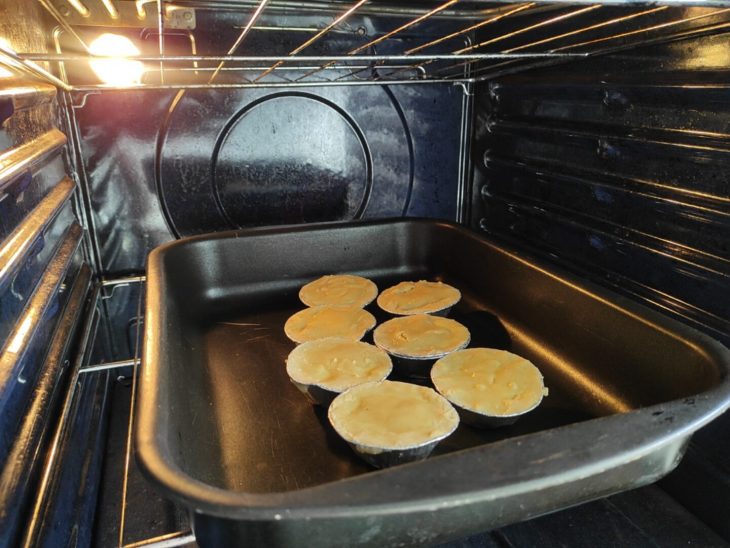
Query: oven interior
<point>593,136</point>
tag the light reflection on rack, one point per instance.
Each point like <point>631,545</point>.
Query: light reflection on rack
<point>314,38</point>
<point>488,72</point>
<point>256,14</point>
<point>361,64</point>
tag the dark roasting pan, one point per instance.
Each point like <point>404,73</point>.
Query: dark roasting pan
<point>221,429</point>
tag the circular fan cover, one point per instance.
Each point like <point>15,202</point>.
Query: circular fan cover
<point>254,157</point>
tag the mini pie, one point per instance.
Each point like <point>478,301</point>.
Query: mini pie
<point>392,415</point>
<point>339,289</point>
<point>489,381</point>
<point>337,364</point>
<point>421,336</point>
<point>418,298</point>
<point>319,322</point>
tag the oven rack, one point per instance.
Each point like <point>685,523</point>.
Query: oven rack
<point>128,369</point>
<point>122,370</point>
<point>481,43</point>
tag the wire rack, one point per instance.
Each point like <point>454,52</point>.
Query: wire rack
<point>129,369</point>
<point>364,42</point>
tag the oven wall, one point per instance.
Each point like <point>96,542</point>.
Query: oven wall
<point>158,165</point>
<point>223,160</point>
<point>617,168</point>
<point>48,475</point>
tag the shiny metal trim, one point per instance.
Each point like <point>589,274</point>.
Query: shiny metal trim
<point>323,83</point>
<point>387,35</point>
<point>111,8</point>
<point>51,9</point>
<point>278,68</point>
<point>164,541</point>
<point>161,38</point>
<point>254,16</point>
<point>556,19</point>
<point>316,37</point>
<point>57,32</point>
<point>14,250</point>
<point>80,7</point>
<point>404,9</point>
<point>132,408</point>
<point>330,63</point>
<point>26,94</point>
<point>305,58</point>
<point>23,459</point>
<point>465,135</point>
<point>111,365</point>
<point>29,155</point>
<point>647,29</point>
<point>472,28</point>
<point>78,169</point>
<point>602,24</point>
<point>299,63</point>
<point>139,5</point>
<point>123,281</point>
<point>14,60</point>
<point>27,325</point>
<point>488,73</point>
<point>34,522</point>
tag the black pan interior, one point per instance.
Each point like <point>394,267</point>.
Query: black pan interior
<point>236,422</point>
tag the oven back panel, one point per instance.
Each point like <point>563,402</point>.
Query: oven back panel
<point>161,164</point>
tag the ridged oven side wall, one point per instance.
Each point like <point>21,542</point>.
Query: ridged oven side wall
<point>49,441</point>
<point>617,168</point>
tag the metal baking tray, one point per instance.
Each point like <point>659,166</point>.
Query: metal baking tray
<point>221,429</point>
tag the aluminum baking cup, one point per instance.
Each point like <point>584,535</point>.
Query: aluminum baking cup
<point>389,422</point>
<point>324,368</point>
<point>488,387</point>
<point>416,342</point>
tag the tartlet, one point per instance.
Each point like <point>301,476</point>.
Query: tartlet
<point>391,422</point>
<point>319,322</point>
<point>489,387</point>
<point>416,341</point>
<point>339,289</point>
<point>323,368</point>
<point>422,297</point>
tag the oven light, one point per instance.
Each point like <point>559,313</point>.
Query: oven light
<point>5,73</point>
<point>118,71</point>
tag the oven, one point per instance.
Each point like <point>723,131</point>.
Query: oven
<point>586,140</point>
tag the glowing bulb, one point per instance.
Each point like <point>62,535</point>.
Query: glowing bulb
<point>120,71</point>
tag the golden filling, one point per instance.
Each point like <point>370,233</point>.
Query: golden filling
<point>392,415</point>
<point>418,297</point>
<point>340,289</point>
<point>421,336</point>
<point>337,364</point>
<point>319,322</point>
<point>489,381</point>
